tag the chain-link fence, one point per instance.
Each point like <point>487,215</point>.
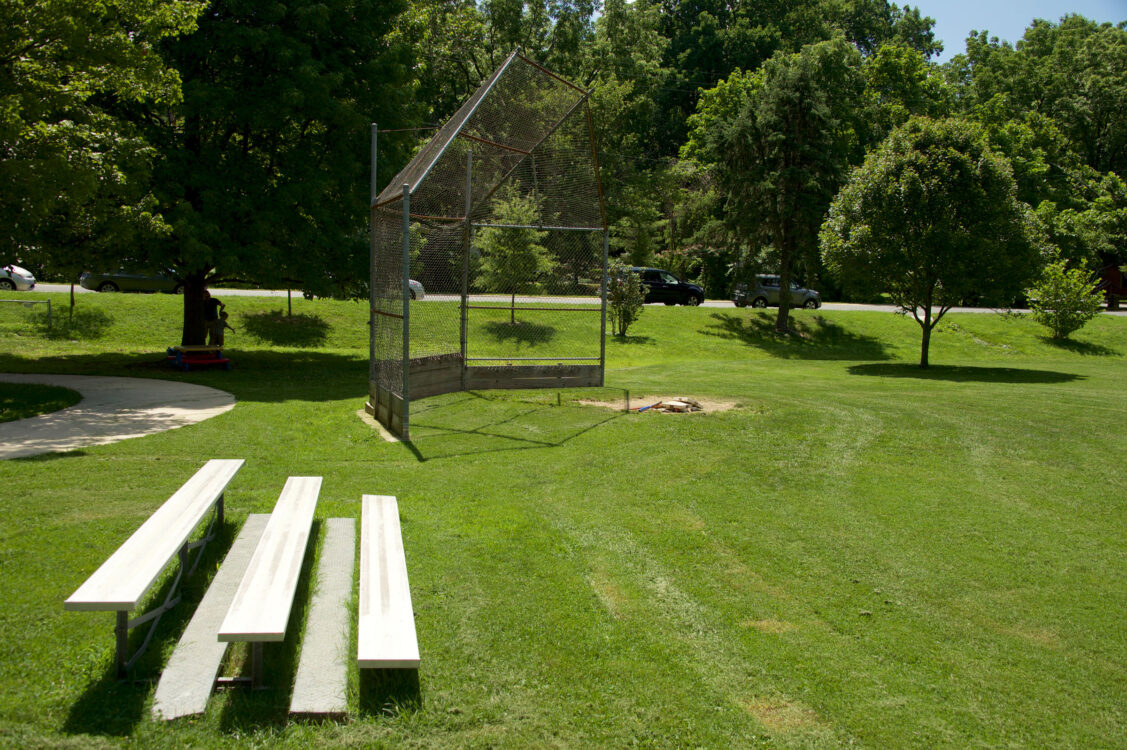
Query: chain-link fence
<point>489,250</point>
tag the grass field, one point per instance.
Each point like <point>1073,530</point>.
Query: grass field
<point>23,400</point>
<point>858,553</point>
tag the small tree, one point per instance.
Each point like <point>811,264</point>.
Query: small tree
<point>1064,300</point>
<point>624,297</point>
<point>932,218</point>
<point>513,258</point>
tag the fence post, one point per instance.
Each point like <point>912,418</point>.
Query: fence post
<point>603,323</point>
<point>467,241</point>
<point>372,272</point>
<point>406,290</point>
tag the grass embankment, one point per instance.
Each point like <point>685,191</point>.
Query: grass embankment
<point>861,552</point>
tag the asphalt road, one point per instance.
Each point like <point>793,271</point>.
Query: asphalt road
<point>63,288</point>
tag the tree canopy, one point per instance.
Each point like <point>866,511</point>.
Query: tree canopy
<point>780,142</point>
<point>513,258</point>
<point>262,168</point>
<point>932,218</point>
<point>74,171</point>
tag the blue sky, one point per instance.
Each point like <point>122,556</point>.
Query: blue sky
<point>1006,19</point>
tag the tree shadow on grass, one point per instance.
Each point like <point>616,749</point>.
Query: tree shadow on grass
<point>41,457</point>
<point>629,340</point>
<point>112,707</point>
<point>301,330</point>
<point>815,337</point>
<point>79,324</point>
<point>257,375</point>
<point>956,374</point>
<point>1080,347</point>
<point>521,332</point>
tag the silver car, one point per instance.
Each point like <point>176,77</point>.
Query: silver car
<point>16,279</point>
<point>765,291</point>
<point>131,281</point>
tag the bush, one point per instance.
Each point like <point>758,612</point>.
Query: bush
<point>624,297</point>
<point>1064,300</point>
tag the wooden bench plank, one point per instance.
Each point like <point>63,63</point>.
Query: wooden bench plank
<point>189,678</point>
<point>123,579</point>
<point>261,607</point>
<point>321,685</point>
<point>386,632</point>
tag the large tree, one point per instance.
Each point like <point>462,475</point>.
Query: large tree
<point>73,169</point>
<point>932,218</point>
<point>459,43</point>
<point>780,142</point>
<point>263,167</point>
<point>710,39</point>
<point>1074,72</point>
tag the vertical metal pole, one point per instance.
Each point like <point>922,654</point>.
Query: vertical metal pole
<point>121,636</point>
<point>406,290</point>
<point>373,192</point>
<point>467,241</point>
<point>603,324</point>
<point>256,665</point>
<point>48,315</point>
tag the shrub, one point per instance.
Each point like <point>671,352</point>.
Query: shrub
<point>624,297</point>
<point>1064,299</point>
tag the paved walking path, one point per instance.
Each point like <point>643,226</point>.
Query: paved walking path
<point>111,409</point>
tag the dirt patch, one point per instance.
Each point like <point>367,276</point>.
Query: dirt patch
<point>1038,636</point>
<point>609,594</point>
<point>637,402</point>
<point>779,715</point>
<point>770,626</point>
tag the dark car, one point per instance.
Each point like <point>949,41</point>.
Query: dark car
<point>131,281</point>
<point>662,286</point>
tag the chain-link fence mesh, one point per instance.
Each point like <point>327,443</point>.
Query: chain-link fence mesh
<point>505,247</point>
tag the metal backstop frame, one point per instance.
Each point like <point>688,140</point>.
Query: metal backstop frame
<point>501,218</point>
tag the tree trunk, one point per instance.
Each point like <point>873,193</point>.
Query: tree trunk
<point>194,333</point>
<point>925,339</point>
<point>782,321</point>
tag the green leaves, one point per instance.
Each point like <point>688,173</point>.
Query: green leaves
<point>779,142</point>
<point>513,259</point>
<point>1064,299</point>
<point>73,168</point>
<point>625,298</point>
<point>932,218</point>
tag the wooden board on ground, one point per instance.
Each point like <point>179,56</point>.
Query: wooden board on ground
<point>320,688</point>
<point>188,679</point>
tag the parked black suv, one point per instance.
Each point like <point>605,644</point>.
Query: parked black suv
<point>662,286</point>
